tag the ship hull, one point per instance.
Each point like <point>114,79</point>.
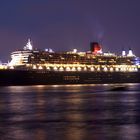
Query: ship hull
<point>40,77</point>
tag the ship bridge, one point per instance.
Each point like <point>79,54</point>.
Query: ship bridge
<point>21,57</point>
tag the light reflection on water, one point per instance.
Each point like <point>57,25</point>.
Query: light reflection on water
<point>69,112</point>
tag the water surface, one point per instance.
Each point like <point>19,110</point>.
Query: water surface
<point>69,112</point>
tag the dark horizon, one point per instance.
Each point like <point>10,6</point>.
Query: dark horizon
<point>68,24</point>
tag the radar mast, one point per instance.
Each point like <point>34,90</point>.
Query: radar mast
<point>28,45</point>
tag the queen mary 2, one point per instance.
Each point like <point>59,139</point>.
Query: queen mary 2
<point>30,66</point>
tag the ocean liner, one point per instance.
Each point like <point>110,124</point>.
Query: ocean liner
<point>31,66</point>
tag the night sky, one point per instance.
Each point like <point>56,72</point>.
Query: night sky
<point>67,24</point>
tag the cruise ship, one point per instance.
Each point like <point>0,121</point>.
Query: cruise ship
<point>30,66</point>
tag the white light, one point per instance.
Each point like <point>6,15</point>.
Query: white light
<point>28,45</point>
<point>73,69</point>
<point>135,69</point>
<point>11,67</point>
<point>50,50</point>
<point>34,66</point>
<point>55,68</point>
<point>123,53</point>
<point>46,50</point>
<point>40,67</point>
<point>67,68</point>
<point>85,68</point>
<point>48,68</point>
<point>74,50</point>
<point>79,68</point>
<point>117,69</point>
<point>111,69</point>
<point>130,69</point>
<point>123,69</point>
<point>61,69</point>
<point>130,53</point>
<point>92,69</point>
<point>98,69</point>
<point>105,69</point>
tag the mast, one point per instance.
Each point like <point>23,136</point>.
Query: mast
<point>28,45</point>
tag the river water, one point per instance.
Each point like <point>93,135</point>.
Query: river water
<point>70,112</point>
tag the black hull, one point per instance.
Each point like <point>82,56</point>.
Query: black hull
<point>32,77</point>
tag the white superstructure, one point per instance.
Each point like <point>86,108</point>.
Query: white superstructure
<point>21,57</point>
